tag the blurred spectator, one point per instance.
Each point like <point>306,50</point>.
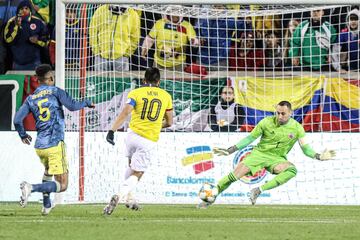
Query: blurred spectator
<point>148,20</point>
<point>51,47</point>
<point>226,115</point>
<point>215,40</point>
<point>3,52</point>
<point>114,37</point>
<point>73,38</point>
<point>338,16</point>
<point>45,9</point>
<point>236,7</point>
<point>312,45</point>
<point>7,10</point>
<point>26,35</point>
<point>248,26</point>
<point>273,52</point>
<point>264,24</point>
<point>172,36</point>
<point>291,26</point>
<point>245,56</point>
<point>350,40</point>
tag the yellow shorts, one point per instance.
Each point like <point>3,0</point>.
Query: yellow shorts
<point>54,159</point>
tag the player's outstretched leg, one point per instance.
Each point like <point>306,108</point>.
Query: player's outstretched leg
<point>254,194</point>
<point>112,205</point>
<point>25,193</point>
<point>280,179</point>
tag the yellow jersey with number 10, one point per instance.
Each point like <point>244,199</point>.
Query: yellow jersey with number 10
<point>150,104</point>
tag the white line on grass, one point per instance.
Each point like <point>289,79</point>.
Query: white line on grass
<point>310,208</point>
<point>189,220</point>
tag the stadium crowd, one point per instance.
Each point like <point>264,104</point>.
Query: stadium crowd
<point>320,39</point>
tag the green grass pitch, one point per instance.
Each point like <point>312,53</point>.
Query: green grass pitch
<point>156,222</point>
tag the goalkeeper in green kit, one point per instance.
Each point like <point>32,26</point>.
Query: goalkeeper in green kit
<point>278,135</point>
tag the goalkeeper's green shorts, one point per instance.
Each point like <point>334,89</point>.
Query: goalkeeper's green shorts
<point>257,160</point>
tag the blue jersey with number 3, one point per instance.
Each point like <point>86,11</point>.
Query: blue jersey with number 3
<point>46,106</point>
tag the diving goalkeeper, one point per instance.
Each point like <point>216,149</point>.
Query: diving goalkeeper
<point>278,135</point>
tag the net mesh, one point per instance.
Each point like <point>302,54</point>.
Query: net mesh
<point>226,67</point>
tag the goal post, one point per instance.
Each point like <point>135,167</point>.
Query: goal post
<point>206,53</point>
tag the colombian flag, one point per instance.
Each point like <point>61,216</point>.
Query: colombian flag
<point>319,103</point>
<point>341,106</point>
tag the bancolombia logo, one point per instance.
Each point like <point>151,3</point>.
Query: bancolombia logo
<point>248,179</point>
<point>188,180</point>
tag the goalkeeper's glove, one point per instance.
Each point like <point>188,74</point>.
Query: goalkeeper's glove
<point>26,139</point>
<point>110,137</point>
<point>325,155</point>
<point>223,151</point>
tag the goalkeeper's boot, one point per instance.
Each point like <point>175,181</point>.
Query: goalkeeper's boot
<point>45,211</point>
<point>112,205</point>
<point>25,193</point>
<point>254,194</point>
<point>203,205</point>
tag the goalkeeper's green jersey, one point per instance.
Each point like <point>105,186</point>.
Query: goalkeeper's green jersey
<point>277,139</point>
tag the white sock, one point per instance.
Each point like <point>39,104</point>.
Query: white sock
<point>130,198</point>
<point>128,173</point>
<point>128,186</point>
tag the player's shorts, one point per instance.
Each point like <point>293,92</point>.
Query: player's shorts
<point>139,149</point>
<point>257,160</point>
<point>54,159</point>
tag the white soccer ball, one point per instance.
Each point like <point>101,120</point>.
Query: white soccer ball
<point>208,192</point>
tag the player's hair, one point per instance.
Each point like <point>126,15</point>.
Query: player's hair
<point>152,75</point>
<point>42,70</point>
<point>285,103</point>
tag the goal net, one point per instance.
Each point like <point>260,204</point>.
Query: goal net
<point>226,67</point>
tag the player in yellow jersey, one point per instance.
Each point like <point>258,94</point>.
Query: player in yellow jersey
<point>151,109</point>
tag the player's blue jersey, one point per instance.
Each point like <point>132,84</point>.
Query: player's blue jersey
<point>46,106</point>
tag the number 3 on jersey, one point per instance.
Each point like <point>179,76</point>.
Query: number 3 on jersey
<point>152,109</point>
<point>43,110</point>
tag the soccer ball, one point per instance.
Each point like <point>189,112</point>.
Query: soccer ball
<point>208,192</point>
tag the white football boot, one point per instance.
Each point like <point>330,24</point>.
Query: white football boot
<point>131,203</point>
<point>254,194</point>
<point>45,211</point>
<point>108,209</point>
<point>25,193</point>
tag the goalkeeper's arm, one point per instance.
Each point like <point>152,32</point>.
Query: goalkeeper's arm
<point>308,151</point>
<point>240,145</point>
